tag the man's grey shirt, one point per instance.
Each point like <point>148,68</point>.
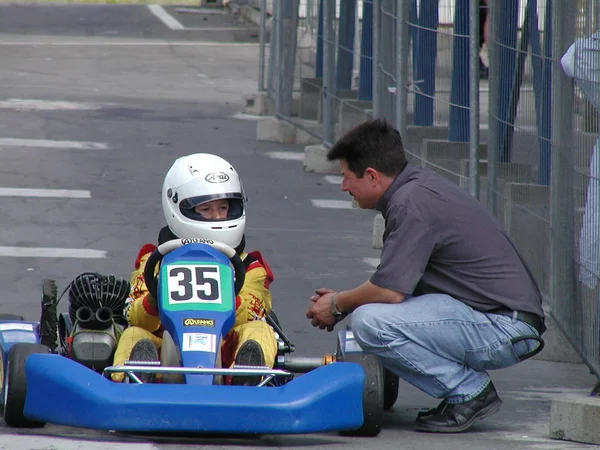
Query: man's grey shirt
<point>440,239</point>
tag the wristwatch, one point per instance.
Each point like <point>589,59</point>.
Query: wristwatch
<point>333,309</point>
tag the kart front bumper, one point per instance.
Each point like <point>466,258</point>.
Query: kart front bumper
<point>64,392</point>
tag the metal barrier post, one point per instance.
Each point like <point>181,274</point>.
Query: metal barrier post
<point>279,45</point>
<point>562,282</point>
<point>287,31</point>
<point>319,52</point>
<point>273,52</point>
<point>261,51</point>
<point>402,47</point>
<point>545,102</point>
<point>386,51</point>
<point>494,105</point>
<point>376,58</point>
<point>474,98</point>
<point>329,87</point>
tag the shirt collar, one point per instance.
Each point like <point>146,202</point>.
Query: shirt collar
<point>398,181</point>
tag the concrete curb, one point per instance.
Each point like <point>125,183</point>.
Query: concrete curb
<point>272,129</point>
<point>378,227</point>
<point>575,418</point>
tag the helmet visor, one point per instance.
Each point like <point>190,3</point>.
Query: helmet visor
<point>235,211</point>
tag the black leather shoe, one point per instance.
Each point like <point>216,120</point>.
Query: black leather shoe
<point>454,418</point>
<point>438,409</point>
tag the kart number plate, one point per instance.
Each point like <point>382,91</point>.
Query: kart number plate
<point>194,284</point>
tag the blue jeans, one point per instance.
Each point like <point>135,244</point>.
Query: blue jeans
<point>439,344</point>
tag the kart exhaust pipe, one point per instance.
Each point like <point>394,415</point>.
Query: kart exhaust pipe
<point>104,316</point>
<point>100,320</point>
<point>84,315</point>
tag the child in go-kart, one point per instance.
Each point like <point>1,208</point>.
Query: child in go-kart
<point>202,197</point>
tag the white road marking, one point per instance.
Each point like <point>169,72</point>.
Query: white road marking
<point>220,29</point>
<point>207,11</point>
<point>166,18</point>
<point>50,252</point>
<point>335,204</point>
<point>46,143</point>
<point>206,78</point>
<point>91,42</point>
<point>333,179</point>
<point>26,192</point>
<point>373,262</point>
<point>290,156</point>
<point>33,442</point>
<point>127,43</point>
<point>45,105</point>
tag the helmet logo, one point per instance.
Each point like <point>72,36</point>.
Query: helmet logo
<point>217,177</point>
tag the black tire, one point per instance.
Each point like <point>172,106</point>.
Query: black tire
<point>15,385</point>
<point>15,317</point>
<point>373,400</point>
<point>390,389</point>
<point>49,317</point>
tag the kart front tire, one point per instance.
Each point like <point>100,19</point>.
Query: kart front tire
<point>373,398</point>
<point>390,389</point>
<point>15,385</point>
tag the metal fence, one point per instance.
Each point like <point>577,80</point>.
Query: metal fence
<point>479,94</point>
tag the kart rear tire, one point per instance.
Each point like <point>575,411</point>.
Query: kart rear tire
<point>390,389</point>
<point>14,317</point>
<point>49,317</point>
<point>373,398</point>
<point>15,385</point>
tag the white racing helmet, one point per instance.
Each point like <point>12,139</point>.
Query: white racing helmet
<point>200,178</point>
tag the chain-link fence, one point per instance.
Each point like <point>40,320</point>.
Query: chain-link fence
<point>481,93</point>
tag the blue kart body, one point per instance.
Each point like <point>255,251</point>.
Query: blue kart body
<point>197,308</point>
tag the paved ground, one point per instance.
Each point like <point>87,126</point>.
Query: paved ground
<point>140,95</point>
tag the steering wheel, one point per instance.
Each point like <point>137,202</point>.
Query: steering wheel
<point>167,247</point>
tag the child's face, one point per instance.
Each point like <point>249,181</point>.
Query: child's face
<point>216,209</point>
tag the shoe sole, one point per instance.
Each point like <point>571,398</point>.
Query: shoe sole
<point>485,412</point>
<point>251,356</point>
<point>144,350</point>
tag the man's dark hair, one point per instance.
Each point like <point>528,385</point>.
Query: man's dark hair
<point>374,143</point>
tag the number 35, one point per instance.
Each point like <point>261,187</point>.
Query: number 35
<point>206,287</point>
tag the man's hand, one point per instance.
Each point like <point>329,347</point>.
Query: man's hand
<point>320,311</point>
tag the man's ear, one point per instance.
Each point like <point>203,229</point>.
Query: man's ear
<point>372,174</point>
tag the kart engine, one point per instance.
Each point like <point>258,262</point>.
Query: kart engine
<point>96,305</point>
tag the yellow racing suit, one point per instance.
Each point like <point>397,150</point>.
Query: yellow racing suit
<point>252,303</point>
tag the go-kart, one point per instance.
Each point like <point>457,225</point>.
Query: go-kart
<point>67,383</point>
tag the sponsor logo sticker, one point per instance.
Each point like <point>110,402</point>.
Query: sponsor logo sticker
<point>217,177</point>
<point>199,342</point>
<point>191,322</point>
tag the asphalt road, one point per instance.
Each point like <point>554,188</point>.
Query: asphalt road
<point>139,94</point>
